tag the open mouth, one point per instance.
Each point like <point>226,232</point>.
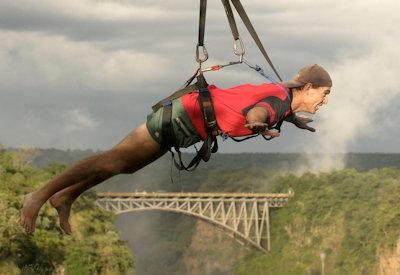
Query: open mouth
<point>319,105</point>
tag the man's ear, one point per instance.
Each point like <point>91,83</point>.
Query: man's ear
<point>307,86</point>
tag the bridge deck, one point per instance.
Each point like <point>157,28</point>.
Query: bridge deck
<point>191,195</point>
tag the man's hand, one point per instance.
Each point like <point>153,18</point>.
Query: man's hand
<point>262,128</point>
<point>257,127</point>
<point>270,134</point>
<point>300,122</point>
<point>254,118</point>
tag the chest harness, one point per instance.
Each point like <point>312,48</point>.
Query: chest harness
<point>210,144</point>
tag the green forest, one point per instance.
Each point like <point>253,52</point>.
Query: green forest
<point>351,216</point>
<point>95,246</point>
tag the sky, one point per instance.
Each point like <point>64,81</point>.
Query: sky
<point>82,74</point>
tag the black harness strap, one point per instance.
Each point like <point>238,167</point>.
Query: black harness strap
<point>202,21</point>
<point>203,154</point>
<point>276,127</point>
<point>210,145</point>
<point>244,138</point>
<point>167,133</point>
<point>190,80</point>
<point>175,95</point>
<point>206,106</point>
<point>210,122</point>
<point>202,25</point>
<point>231,19</point>
<point>246,20</point>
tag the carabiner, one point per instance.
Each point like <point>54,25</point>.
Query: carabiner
<point>205,54</point>
<point>238,48</point>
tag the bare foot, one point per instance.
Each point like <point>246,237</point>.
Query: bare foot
<point>29,212</point>
<point>63,207</point>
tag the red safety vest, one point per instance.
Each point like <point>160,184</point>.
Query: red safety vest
<point>232,104</point>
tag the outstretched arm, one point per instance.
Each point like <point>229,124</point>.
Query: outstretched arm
<point>256,121</point>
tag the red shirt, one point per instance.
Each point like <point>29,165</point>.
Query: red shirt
<point>232,104</point>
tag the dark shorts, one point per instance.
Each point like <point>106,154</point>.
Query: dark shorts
<point>184,131</point>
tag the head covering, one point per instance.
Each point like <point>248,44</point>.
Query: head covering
<point>313,74</point>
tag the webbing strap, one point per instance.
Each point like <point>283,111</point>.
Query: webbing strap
<point>244,138</point>
<point>231,19</point>
<point>206,106</point>
<point>243,15</point>
<point>175,95</point>
<point>181,166</point>
<point>203,154</point>
<point>167,134</point>
<point>190,80</point>
<point>202,21</point>
<point>210,145</point>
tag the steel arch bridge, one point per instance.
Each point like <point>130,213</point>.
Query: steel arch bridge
<point>244,215</point>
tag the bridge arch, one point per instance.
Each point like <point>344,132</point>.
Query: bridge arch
<point>201,217</point>
<point>245,215</point>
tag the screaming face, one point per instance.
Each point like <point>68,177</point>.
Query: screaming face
<point>315,98</point>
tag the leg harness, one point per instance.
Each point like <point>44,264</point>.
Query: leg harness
<point>210,145</point>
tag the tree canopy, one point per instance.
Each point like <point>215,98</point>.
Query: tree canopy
<point>94,247</point>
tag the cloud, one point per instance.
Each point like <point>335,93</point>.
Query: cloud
<point>115,58</point>
<point>33,61</point>
<point>77,120</point>
<point>88,20</point>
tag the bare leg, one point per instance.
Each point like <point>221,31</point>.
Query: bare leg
<point>134,152</point>
<point>62,200</point>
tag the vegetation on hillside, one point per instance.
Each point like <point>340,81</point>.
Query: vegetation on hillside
<point>94,247</point>
<point>351,217</point>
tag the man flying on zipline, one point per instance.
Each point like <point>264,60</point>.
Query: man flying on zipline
<point>198,112</point>
<point>239,111</point>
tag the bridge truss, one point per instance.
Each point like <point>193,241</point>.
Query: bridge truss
<point>244,215</point>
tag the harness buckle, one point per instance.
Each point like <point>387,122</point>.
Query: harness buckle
<point>203,90</point>
<point>166,102</point>
<point>211,124</point>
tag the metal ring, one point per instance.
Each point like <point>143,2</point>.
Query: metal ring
<point>238,47</point>
<point>205,54</point>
